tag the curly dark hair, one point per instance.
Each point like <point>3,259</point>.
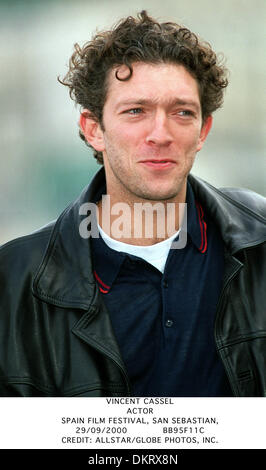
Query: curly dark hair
<point>142,39</point>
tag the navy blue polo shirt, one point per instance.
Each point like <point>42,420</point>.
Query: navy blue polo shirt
<point>164,322</point>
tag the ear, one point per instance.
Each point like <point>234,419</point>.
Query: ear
<point>206,127</point>
<point>92,130</point>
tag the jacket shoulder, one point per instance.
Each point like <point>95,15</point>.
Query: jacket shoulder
<point>251,200</point>
<point>24,253</point>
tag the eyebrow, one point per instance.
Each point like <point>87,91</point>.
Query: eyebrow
<point>171,102</point>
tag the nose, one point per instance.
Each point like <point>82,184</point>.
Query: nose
<point>159,132</point>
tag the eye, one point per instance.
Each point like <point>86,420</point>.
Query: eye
<point>134,111</point>
<point>185,112</point>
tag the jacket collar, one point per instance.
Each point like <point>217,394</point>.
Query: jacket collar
<point>236,213</point>
<point>65,277</point>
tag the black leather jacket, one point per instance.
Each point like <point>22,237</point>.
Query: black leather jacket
<point>56,338</point>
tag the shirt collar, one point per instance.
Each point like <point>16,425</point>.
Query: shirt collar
<point>107,262</point>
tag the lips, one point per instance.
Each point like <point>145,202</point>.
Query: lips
<point>158,164</point>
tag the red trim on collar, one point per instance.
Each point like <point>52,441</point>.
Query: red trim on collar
<point>104,291</point>
<point>203,228</point>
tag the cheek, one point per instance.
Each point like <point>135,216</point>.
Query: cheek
<point>121,137</point>
<point>192,139</point>
<point>132,134</point>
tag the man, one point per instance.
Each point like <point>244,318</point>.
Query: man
<point>109,305</point>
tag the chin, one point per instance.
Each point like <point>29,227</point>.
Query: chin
<point>159,196</point>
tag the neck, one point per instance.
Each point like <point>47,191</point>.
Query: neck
<point>142,222</point>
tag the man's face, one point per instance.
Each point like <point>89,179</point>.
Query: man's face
<point>152,132</point>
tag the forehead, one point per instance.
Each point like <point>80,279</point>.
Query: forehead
<point>158,82</point>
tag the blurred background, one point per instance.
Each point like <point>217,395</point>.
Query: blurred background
<point>44,165</point>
